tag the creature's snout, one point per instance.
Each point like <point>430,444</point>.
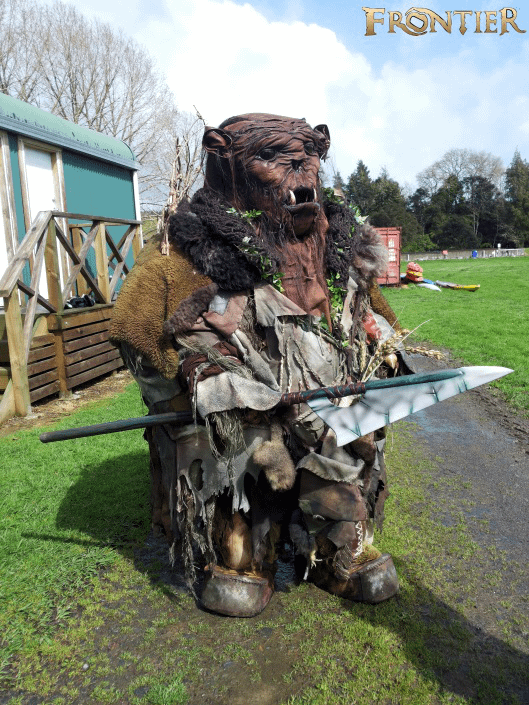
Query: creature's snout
<point>302,198</point>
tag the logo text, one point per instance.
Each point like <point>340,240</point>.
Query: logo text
<point>419,20</point>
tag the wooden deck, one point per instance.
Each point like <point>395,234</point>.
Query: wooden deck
<point>86,351</point>
<point>46,348</point>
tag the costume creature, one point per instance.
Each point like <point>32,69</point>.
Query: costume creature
<point>268,284</point>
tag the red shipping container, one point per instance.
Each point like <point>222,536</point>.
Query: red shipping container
<point>391,238</point>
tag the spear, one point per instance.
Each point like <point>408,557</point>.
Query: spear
<point>377,408</point>
<point>382,401</point>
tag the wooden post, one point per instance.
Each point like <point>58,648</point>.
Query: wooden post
<point>51,259</point>
<point>137,242</point>
<point>77,241</point>
<point>100,247</point>
<point>17,353</point>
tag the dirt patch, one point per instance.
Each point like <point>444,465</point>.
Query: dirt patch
<point>48,411</point>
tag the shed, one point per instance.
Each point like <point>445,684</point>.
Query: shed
<point>391,237</point>
<point>69,227</point>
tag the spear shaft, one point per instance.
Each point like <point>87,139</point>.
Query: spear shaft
<point>345,390</point>
<point>287,399</point>
<point>98,429</point>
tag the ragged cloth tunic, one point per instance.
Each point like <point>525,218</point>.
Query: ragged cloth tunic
<point>269,345</point>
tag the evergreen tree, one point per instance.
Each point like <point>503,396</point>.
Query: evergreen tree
<point>417,204</point>
<point>389,209</point>
<point>482,199</point>
<point>448,220</point>
<point>359,189</point>
<point>339,185</point>
<point>517,201</point>
<point>383,201</point>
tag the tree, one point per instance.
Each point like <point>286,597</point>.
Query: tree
<point>482,199</point>
<point>517,200</point>
<point>338,184</point>
<point>389,209</point>
<point>447,219</point>
<point>385,204</point>
<point>461,163</point>
<point>92,74</point>
<point>19,70</point>
<point>456,232</point>
<point>359,190</point>
<point>464,207</point>
<point>417,204</point>
<point>179,157</point>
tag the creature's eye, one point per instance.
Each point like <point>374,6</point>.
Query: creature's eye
<point>267,154</point>
<point>310,148</point>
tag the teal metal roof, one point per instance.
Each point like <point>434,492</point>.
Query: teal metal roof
<point>25,119</point>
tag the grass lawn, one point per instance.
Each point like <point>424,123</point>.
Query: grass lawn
<point>487,327</point>
<point>83,621</point>
<point>66,510</point>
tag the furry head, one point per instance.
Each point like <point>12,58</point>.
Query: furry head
<point>268,163</point>
<point>262,211</point>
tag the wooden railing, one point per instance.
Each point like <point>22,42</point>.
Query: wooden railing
<point>56,265</point>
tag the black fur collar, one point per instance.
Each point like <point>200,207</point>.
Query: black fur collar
<point>224,246</point>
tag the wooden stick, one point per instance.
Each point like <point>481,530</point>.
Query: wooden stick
<point>180,417</point>
<point>344,390</point>
<point>183,417</point>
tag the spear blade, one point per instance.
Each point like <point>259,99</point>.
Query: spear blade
<point>380,407</point>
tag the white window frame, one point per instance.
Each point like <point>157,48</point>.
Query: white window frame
<point>58,185</point>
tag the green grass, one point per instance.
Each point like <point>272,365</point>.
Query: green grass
<point>82,621</point>
<point>65,509</point>
<point>486,327</point>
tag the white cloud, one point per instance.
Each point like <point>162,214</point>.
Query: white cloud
<point>228,58</point>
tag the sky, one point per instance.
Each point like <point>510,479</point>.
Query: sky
<point>394,100</point>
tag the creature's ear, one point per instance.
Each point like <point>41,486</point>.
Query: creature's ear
<point>324,130</point>
<point>216,141</point>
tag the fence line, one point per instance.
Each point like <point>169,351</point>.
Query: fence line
<point>49,287</point>
<point>463,254</point>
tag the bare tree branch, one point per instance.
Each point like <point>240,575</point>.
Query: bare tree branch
<point>92,74</point>
<point>461,163</point>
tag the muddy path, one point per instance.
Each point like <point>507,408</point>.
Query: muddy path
<point>483,443</point>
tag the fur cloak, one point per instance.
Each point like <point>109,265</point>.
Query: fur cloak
<point>212,247</point>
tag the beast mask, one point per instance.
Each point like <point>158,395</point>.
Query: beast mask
<point>262,213</point>
<point>269,163</point>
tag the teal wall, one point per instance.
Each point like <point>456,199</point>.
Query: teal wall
<point>97,188</point>
<point>17,188</point>
<point>92,187</point>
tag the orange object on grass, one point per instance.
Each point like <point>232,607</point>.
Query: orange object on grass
<point>414,272</point>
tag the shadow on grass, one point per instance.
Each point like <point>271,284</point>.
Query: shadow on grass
<point>444,646</point>
<point>110,504</point>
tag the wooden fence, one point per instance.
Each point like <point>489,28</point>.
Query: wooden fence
<point>463,254</point>
<point>48,268</point>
